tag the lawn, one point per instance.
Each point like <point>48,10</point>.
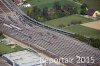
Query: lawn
<point>7,48</point>
<point>82,30</point>
<point>49,3</point>
<point>67,20</point>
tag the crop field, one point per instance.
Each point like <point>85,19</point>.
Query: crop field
<point>94,25</point>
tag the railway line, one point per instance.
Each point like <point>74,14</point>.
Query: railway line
<point>45,39</point>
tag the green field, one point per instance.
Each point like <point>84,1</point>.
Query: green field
<point>82,30</point>
<point>7,48</point>
<point>92,3</point>
<point>49,3</point>
<point>67,20</point>
<point>89,32</point>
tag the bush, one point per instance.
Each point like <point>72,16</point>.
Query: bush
<point>91,41</point>
<point>61,25</point>
<point>75,22</point>
<point>1,35</point>
<point>41,19</point>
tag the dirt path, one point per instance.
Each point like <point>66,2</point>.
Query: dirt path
<point>94,25</point>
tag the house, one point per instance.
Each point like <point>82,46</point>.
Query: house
<point>96,13</point>
<point>92,13</point>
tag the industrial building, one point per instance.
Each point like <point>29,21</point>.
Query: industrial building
<point>24,58</point>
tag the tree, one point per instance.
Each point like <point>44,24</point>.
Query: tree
<point>57,6</point>
<point>83,9</point>
<point>61,25</point>
<point>36,12</point>
<point>1,34</point>
<point>58,10</point>
<point>45,12</point>
<point>69,9</point>
<point>29,12</point>
<point>24,2</point>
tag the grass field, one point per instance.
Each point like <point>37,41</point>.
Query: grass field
<point>67,20</point>
<point>7,49</point>
<point>92,3</point>
<point>82,30</point>
<point>49,3</point>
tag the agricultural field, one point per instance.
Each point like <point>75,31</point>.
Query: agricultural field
<point>79,29</point>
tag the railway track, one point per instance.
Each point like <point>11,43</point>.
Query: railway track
<point>45,39</point>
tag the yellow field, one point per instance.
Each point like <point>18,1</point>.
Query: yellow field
<point>95,25</point>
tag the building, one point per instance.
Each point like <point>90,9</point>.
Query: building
<point>24,58</point>
<point>92,13</point>
<point>96,13</point>
<point>3,62</point>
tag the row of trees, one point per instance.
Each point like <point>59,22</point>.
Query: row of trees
<point>56,11</point>
<point>75,22</point>
<point>83,9</point>
<point>1,35</point>
<point>91,41</point>
<point>70,24</point>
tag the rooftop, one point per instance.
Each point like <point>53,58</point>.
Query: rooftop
<point>24,58</point>
<point>3,62</point>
